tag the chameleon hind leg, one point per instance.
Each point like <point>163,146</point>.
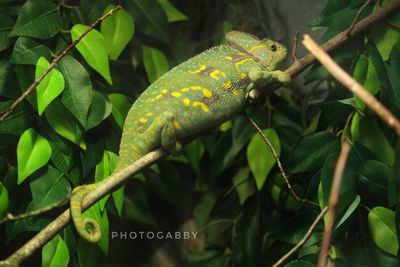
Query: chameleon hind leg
<point>88,228</point>
<point>162,132</point>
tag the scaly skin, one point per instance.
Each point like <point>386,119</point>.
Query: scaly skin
<point>200,93</point>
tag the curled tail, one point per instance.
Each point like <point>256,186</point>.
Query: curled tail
<point>88,228</point>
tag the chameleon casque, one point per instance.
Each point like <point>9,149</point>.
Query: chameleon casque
<point>204,91</point>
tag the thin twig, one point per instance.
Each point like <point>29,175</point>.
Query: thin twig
<point>53,64</point>
<point>344,78</point>
<point>119,178</point>
<point>348,31</point>
<point>333,200</point>
<point>393,25</point>
<point>294,47</point>
<point>9,217</point>
<point>266,140</point>
<point>303,240</point>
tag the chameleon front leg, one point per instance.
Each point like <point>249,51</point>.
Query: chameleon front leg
<point>263,77</point>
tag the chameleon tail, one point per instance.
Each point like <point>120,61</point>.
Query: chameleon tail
<point>88,228</point>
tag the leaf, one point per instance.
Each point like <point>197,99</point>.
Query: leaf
<point>4,201</point>
<point>367,131</point>
<point>104,169</point>
<point>33,152</point>
<point>117,30</point>
<point>120,107</point>
<point>78,92</point>
<point>18,121</point>
<point>49,188</point>
<point>99,110</point>
<point>88,254</point>
<point>50,87</point>
<point>62,121</point>
<point>243,185</point>
<point>350,210</point>
<point>37,19</point>
<point>150,18</point>
<point>299,264</point>
<point>172,13</point>
<point>381,222</point>
<point>260,157</point>
<point>93,49</point>
<point>28,51</point>
<point>6,25</point>
<point>155,63</point>
<point>55,253</point>
<point>8,80</point>
<point>194,151</point>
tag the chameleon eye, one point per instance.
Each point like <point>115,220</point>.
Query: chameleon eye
<point>273,48</point>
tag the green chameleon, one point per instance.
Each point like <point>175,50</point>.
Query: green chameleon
<point>204,91</point>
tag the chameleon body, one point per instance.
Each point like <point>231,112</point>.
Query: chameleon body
<point>204,91</point>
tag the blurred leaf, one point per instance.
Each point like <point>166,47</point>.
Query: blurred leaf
<point>33,152</point>
<point>120,107</point>
<point>311,151</point>
<point>50,187</point>
<point>104,169</point>
<point>95,213</point>
<point>117,30</point>
<point>88,254</point>
<point>6,25</point>
<point>55,253</point>
<point>136,206</point>
<point>8,80</point>
<point>62,121</point>
<point>149,18</point>
<point>244,185</point>
<point>368,132</point>
<point>37,19</point>
<point>381,222</point>
<point>300,264</point>
<point>18,121</point>
<point>172,13</point>
<point>4,201</point>
<point>93,49</point>
<point>100,109</point>
<point>206,258</point>
<point>194,151</point>
<point>78,92</point>
<point>260,157</point>
<point>28,51</point>
<point>155,63</point>
<point>50,87</point>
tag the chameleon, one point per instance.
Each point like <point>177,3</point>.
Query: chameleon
<point>198,94</point>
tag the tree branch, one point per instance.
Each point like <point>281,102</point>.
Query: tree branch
<point>53,64</point>
<point>117,179</point>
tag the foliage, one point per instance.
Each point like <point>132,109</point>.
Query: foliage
<point>67,133</point>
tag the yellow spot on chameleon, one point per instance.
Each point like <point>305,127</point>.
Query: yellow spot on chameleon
<point>143,120</point>
<point>243,75</point>
<point>201,105</point>
<point>200,69</point>
<point>134,147</point>
<point>237,64</point>
<point>227,85</point>
<point>176,94</point>
<point>215,74</point>
<point>257,47</point>
<point>207,93</point>
<point>164,91</point>
<point>235,92</point>
<point>229,58</point>
<point>186,101</point>
<point>186,89</point>
<point>149,114</point>
<point>196,87</point>
<point>177,125</point>
<point>140,128</point>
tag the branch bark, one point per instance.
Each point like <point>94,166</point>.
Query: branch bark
<point>118,179</point>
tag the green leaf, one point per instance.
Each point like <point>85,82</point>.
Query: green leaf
<point>172,13</point>
<point>49,188</point>
<point>194,152</point>
<point>350,210</point>
<point>120,107</point>
<point>28,51</point>
<point>299,264</point>
<point>55,253</point>
<point>95,213</point>
<point>4,201</point>
<point>50,87</point>
<point>150,18</point>
<point>37,19</point>
<point>260,157</point>
<point>99,110</point>
<point>89,254</point>
<point>93,49</point>
<point>244,185</point>
<point>62,121</point>
<point>367,131</point>
<point>104,169</point>
<point>6,25</point>
<point>78,92</point>
<point>8,80</point>
<point>117,30</point>
<point>381,222</point>
<point>18,121</point>
<point>33,152</point>
<point>155,63</point>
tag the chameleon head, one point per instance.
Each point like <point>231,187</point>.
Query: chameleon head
<point>270,53</point>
